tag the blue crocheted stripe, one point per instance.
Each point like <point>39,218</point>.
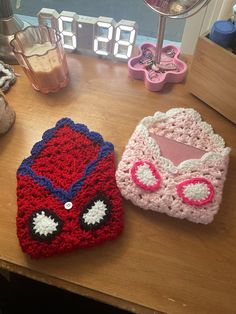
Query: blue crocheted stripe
<point>61,194</point>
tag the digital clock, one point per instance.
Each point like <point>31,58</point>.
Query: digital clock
<point>100,36</point>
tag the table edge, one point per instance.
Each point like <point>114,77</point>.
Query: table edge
<point>78,289</point>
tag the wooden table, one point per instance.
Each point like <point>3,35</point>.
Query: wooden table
<point>159,264</point>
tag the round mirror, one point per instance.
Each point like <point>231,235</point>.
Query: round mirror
<point>176,8</point>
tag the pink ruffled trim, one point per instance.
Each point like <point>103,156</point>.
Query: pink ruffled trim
<point>201,202</point>
<point>154,171</point>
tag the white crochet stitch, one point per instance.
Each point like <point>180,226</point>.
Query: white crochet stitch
<point>145,175</point>
<point>143,126</point>
<point>43,224</point>
<point>7,75</point>
<point>96,213</point>
<point>196,191</point>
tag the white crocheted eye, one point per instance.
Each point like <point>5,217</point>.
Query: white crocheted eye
<point>44,224</point>
<point>96,213</point>
<point>196,191</point>
<point>145,175</point>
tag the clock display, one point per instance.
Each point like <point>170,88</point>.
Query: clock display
<point>67,27</point>
<point>48,17</point>
<point>124,39</point>
<point>104,30</point>
<point>100,36</point>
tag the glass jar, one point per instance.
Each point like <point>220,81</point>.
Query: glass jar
<point>39,50</point>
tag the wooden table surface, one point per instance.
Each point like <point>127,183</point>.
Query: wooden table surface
<point>158,264</point>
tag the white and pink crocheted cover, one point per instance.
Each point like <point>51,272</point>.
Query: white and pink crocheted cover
<point>175,164</point>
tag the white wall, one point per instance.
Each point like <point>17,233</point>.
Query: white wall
<point>202,22</point>
<point>226,9</point>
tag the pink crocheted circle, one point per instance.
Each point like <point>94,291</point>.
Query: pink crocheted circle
<point>196,191</point>
<point>145,175</point>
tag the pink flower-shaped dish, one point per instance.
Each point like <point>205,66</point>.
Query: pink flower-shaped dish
<point>170,70</point>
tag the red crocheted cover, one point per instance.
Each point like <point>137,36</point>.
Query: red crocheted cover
<point>66,192</point>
